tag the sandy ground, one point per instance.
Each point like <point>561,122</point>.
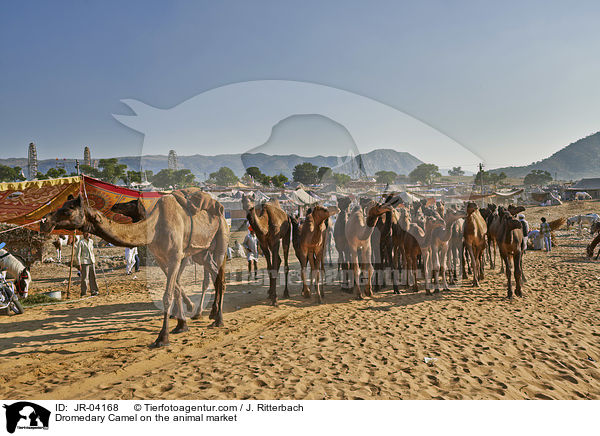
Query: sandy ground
<point>545,345</point>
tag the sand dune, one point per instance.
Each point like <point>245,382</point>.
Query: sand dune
<point>545,345</point>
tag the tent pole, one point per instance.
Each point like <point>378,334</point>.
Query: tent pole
<point>71,266</point>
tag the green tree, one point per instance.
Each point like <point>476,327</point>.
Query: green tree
<point>55,173</point>
<point>537,177</point>
<point>258,175</point>
<point>489,178</point>
<point>173,178</point>
<point>279,180</point>
<point>456,171</point>
<point>341,179</point>
<point>224,176</point>
<point>133,177</point>
<point>90,171</point>
<point>323,173</point>
<point>111,170</point>
<point>10,174</point>
<point>425,173</point>
<point>386,177</point>
<point>306,173</point>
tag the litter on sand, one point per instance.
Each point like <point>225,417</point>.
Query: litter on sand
<point>430,360</point>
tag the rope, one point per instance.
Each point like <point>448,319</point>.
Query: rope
<point>19,227</point>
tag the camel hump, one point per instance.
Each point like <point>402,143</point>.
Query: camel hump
<point>193,200</point>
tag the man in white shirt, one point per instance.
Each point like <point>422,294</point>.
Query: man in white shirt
<point>86,261</point>
<point>251,246</point>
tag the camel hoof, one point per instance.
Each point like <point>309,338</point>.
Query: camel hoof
<point>216,324</point>
<point>196,316</point>
<point>274,303</point>
<point>446,290</point>
<point>158,344</point>
<point>306,294</point>
<point>190,307</point>
<point>183,329</point>
<point>436,291</point>
<point>286,294</point>
<point>518,293</point>
<point>358,297</point>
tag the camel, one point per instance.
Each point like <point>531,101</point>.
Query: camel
<point>416,240</point>
<point>456,248</point>
<point>475,230</point>
<point>341,243</point>
<point>493,222</point>
<point>382,247</point>
<point>63,241</point>
<point>590,248</point>
<point>510,244</point>
<point>133,209</point>
<point>136,210</point>
<point>171,234</point>
<point>440,238</point>
<point>359,227</point>
<point>309,241</point>
<point>272,227</point>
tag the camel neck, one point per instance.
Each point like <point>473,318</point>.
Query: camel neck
<point>122,235</point>
<point>258,222</point>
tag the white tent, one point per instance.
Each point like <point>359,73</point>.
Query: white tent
<point>300,196</point>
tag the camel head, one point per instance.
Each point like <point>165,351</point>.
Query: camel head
<point>344,203</point>
<point>441,209</point>
<point>71,216</point>
<point>321,213</point>
<point>491,207</point>
<point>514,210</point>
<point>471,207</point>
<point>432,217</point>
<point>248,202</point>
<point>509,219</point>
<point>133,209</point>
<point>452,214</point>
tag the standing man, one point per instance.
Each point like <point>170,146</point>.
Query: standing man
<point>87,260</point>
<point>525,227</point>
<point>251,246</point>
<point>545,231</point>
<point>132,259</point>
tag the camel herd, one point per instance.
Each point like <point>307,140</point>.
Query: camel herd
<point>377,242</point>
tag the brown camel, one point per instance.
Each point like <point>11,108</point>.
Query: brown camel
<point>359,227</point>
<point>272,227</point>
<point>171,234</point>
<point>308,240</point>
<point>590,248</point>
<point>440,238</point>
<point>456,259</point>
<point>136,210</point>
<point>510,244</point>
<point>415,241</point>
<point>475,230</point>
<point>341,243</point>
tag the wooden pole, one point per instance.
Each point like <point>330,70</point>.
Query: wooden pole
<point>71,266</point>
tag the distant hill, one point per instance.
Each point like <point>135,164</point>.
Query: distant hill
<point>202,166</point>
<point>575,161</point>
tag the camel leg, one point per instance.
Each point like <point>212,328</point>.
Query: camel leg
<point>395,271</point>
<point>315,270</point>
<point>276,263</point>
<point>305,288</point>
<point>366,260</point>
<point>219,293</point>
<point>319,260</point>
<point>435,270</point>
<point>475,267</point>
<point>173,271</point>
<point>269,258</point>
<point>518,273</point>
<point>356,274</point>
<point>286,266</point>
<point>443,265</point>
<point>178,303</point>
<point>508,277</point>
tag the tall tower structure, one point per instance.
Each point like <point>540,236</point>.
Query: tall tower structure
<point>32,161</point>
<point>172,160</point>
<point>87,156</point>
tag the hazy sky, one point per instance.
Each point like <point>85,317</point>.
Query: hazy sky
<point>512,81</point>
